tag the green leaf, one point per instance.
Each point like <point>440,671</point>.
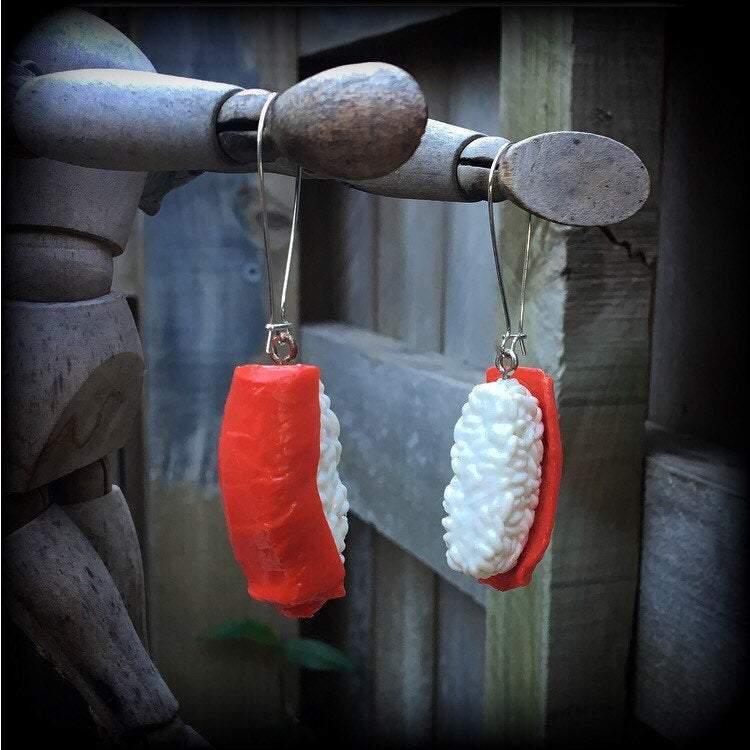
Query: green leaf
<point>243,630</point>
<point>312,654</point>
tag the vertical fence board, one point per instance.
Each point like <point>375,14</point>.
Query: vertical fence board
<point>338,254</point>
<point>411,246</point>
<point>411,239</point>
<point>338,707</point>
<point>616,90</point>
<point>459,689</point>
<point>557,651</point>
<point>360,627</point>
<point>404,645</point>
<point>469,327</point>
<point>358,264</point>
<point>535,62</point>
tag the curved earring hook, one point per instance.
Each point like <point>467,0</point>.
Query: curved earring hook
<point>493,234</point>
<point>507,360</point>
<point>280,335</point>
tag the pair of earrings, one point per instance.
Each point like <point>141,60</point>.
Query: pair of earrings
<point>286,506</point>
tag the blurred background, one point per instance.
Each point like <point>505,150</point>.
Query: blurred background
<point>633,628</point>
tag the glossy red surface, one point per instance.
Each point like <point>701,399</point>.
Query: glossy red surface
<point>269,448</point>
<point>541,386</point>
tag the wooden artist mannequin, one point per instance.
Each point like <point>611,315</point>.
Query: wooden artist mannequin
<point>73,365</point>
<point>95,133</point>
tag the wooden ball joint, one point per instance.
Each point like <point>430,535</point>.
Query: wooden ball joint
<point>94,132</point>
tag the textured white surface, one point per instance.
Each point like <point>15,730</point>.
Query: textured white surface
<point>496,460</point>
<point>332,492</point>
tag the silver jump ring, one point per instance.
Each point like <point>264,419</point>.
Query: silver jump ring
<point>506,362</point>
<point>506,359</point>
<point>285,340</point>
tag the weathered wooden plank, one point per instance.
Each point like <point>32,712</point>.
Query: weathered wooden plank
<point>404,646</point>
<point>593,583</point>
<point>359,630</point>
<point>339,707</point>
<point>516,648</point>
<point>410,248</point>
<point>560,673</point>
<point>317,263</point>
<point>534,97</point>
<point>396,416</point>
<point>357,258</point>
<point>591,433</point>
<point>692,651</point>
<point>404,589</point>
<point>459,688</point>
<point>616,89</point>
<point>410,271</point>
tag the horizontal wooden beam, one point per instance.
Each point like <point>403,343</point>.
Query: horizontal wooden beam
<point>397,410</point>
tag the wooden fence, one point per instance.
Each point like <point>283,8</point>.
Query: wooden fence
<point>399,304</point>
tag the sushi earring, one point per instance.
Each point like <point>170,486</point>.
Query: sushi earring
<point>284,503</point>
<point>506,459</point>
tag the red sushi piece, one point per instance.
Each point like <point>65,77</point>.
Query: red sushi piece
<point>269,449</point>
<point>540,385</point>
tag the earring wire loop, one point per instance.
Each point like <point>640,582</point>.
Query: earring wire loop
<point>280,335</point>
<point>493,234</point>
<point>507,360</point>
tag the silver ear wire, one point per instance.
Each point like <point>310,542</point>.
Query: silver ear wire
<point>506,359</point>
<point>281,345</point>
